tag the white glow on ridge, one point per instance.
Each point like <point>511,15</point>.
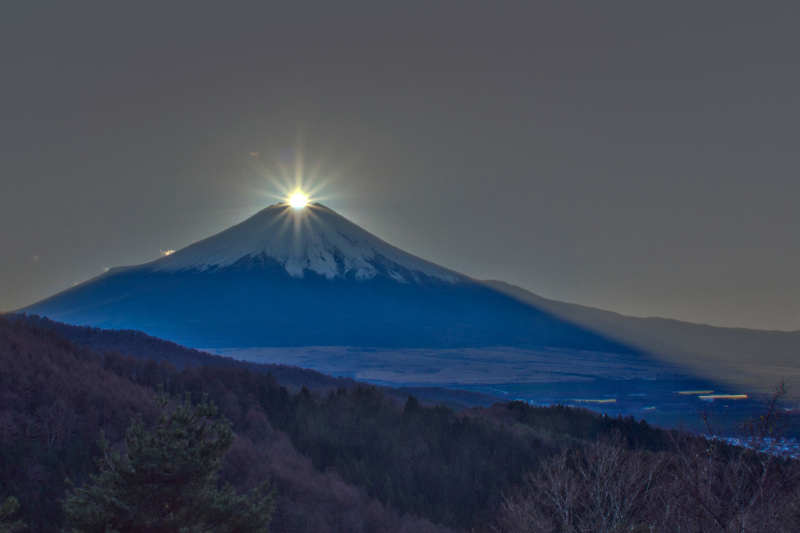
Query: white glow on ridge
<point>298,200</point>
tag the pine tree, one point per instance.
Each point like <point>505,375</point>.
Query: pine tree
<point>167,481</point>
<point>8,508</point>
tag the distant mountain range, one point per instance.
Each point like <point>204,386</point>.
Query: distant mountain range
<point>308,277</point>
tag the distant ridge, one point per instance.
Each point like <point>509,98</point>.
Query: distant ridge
<point>139,345</point>
<point>749,357</point>
<point>142,346</point>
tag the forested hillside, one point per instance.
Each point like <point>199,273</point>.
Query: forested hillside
<point>354,458</point>
<point>142,346</point>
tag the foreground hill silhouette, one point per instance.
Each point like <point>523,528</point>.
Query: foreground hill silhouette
<point>131,343</point>
<point>343,459</point>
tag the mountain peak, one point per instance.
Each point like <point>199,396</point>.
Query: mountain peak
<point>307,277</point>
<point>312,239</point>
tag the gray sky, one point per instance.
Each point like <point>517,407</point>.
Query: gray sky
<point>642,157</point>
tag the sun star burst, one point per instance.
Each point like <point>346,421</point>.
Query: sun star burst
<point>298,200</point>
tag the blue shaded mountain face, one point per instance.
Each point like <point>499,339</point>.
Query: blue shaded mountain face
<point>239,307</point>
<point>310,277</point>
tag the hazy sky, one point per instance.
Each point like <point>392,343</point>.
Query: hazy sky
<point>642,157</point>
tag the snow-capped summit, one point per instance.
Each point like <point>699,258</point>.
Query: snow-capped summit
<point>307,277</point>
<point>311,239</point>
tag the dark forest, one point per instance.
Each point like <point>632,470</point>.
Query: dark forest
<point>347,456</point>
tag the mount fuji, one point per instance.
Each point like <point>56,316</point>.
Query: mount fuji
<point>290,277</point>
<point>307,287</point>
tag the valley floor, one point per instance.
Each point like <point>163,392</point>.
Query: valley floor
<point>461,366</point>
<point>614,384</point>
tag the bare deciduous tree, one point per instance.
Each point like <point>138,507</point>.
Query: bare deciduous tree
<point>603,488</point>
<point>724,488</point>
<point>704,486</point>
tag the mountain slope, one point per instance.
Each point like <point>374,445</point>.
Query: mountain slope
<point>746,356</point>
<point>309,277</point>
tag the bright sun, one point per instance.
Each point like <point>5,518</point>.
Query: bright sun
<point>298,200</point>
